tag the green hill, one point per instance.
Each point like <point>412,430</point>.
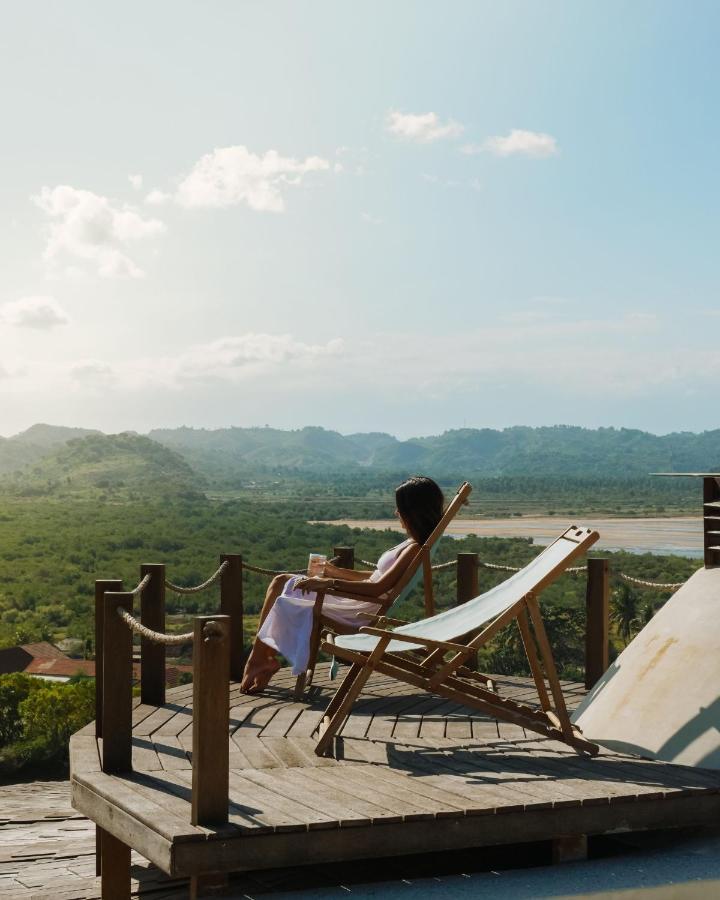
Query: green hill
<point>113,467</point>
<point>557,451</point>
<point>35,443</point>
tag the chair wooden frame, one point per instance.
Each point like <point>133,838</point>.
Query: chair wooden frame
<point>422,558</point>
<point>451,679</point>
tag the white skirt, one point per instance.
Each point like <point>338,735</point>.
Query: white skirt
<point>288,626</point>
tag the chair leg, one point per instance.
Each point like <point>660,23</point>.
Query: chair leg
<point>550,670</point>
<point>531,653</point>
<point>300,685</point>
<point>347,694</point>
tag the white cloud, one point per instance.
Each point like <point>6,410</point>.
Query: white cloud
<point>38,312</point>
<point>518,143</point>
<point>231,176</point>
<point>157,198</point>
<point>92,372</point>
<point>370,218</point>
<point>421,127</point>
<point>233,356</point>
<point>87,227</point>
<point>136,181</point>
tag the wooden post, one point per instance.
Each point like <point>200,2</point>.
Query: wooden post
<point>115,868</point>
<point>231,605</point>
<point>597,612</point>
<point>345,557</point>
<point>466,587</point>
<point>711,531</point>
<point>569,848</point>
<point>211,720</point>
<point>466,577</point>
<point>152,655</point>
<point>101,587</point>
<point>117,686</point>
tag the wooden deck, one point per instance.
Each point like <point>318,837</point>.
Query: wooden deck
<point>405,760</point>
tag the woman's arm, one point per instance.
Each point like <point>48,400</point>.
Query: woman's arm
<point>331,571</point>
<point>367,588</point>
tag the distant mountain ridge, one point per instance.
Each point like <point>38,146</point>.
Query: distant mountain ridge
<point>561,450</point>
<point>552,450</point>
<point>114,467</point>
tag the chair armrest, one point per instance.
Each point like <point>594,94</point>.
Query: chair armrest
<point>412,639</point>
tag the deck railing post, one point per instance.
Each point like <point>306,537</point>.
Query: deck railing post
<point>711,494</point>
<point>117,685</point>
<point>231,605</point>
<point>466,587</point>
<point>466,577</point>
<point>211,720</point>
<point>597,630</point>
<point>101,586</point>
<point>152,655</point>
<point>345,557</point>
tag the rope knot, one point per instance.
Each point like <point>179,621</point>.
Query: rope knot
<point>212,630</point>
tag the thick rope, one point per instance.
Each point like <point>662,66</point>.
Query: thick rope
<point>155,636</point>
<point>141,587</point>
<point>179,589</point>
<point>651,584</point>
<point>258,570</point>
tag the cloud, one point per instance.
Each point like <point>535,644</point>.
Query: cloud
<point>38,312</point>
<point>423,128</point>
<point>518,143</point>
<point>157,198</point>
<point>92,372</point>
<point>87,227</point>
<point>233,176</point>
<point>232,357</point>
<point>370,218</point>
<point>136,181</point>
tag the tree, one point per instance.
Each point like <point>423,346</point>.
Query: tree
<point>624,608</point>
<point>14,690</point>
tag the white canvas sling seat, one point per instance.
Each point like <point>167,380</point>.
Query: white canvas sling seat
<point>460,632</point>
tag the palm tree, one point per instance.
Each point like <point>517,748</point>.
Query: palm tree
<point>624,607</point>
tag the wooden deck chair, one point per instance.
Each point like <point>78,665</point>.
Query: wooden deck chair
<point>421,565</point>
<point>381,649</point>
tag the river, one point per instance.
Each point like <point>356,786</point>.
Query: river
<point>679,535</point>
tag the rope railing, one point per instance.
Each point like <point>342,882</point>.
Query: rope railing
<point>651,584</point>
<point>140,587</point>
<point>180,589</point>
<point>575,570</point>
<point>156,637</point>
<point>259,570</point>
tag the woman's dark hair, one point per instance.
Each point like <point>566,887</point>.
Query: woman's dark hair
<point>420,502</point>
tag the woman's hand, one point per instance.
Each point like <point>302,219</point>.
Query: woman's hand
<point>314,584</point>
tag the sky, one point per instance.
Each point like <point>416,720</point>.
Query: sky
<point>403,217</point>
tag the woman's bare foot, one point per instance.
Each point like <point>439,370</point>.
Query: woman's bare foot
<point>257,678</point>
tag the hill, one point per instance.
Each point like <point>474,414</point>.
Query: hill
<point>35,443</point>
<point>557,451</point>
<point>117,467</point>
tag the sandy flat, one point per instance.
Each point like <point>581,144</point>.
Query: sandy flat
<point>679,534</point>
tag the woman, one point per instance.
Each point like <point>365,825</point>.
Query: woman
<point>287,614</point>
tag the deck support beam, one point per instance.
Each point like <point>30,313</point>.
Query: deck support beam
<point>115,867</point>
<point>569,848</point>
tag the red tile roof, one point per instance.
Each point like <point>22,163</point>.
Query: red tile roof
<point>62,667</point>
<point>43,649</point>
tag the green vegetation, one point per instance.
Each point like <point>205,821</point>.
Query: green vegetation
<point>102,467</point>
<point>37,718</point>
